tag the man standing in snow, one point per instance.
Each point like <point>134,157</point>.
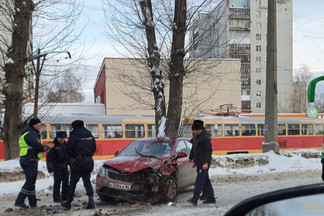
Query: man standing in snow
<point>201,153</point>
<point>81,146</point>
<point>31,150</point>
<point>56,161</point>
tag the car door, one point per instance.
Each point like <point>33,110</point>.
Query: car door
<point>185,167</point>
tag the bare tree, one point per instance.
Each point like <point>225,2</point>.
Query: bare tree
<point>67,89</point>
<point>156,34</point>
<point>25,25</point>
<point>302,77</point>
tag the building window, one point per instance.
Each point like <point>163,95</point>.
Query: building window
<point>244,70</point>
<point>258,58</point>
<point>258,25</point>
<point>246,104</point>
<point>258,70</point>
<point>258,93</point>
<point>245,92</point>
<point>258,36</point>
<point>245,81</point>
<point>258,48</point>
<point>258,105</point>
<point>258,82</point>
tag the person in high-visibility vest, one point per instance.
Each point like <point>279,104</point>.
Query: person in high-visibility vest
<point>31,150</point>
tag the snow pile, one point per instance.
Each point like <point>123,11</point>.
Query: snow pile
<point>12,179</point>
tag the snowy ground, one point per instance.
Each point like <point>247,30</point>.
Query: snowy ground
<point>230,175</point>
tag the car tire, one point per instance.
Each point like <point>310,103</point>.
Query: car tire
<point>106,198</point>
<point>169,189</point>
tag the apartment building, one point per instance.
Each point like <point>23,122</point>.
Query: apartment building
<point>238,29</point>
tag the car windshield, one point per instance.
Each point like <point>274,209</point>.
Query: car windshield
<point>151,148</point>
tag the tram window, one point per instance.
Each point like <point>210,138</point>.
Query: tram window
<point>260,129</point>
<point>43,131</point>
<point>231,129</point>
<point>94,129</point>
<point>151,130</point>
<point>58,127</point>
<point>293,129</point>
<point>281,129</point>
<point>214,129</point>
<point>112,131</point>
<point>319,128</point>
<point>134,130</point>
<point>307,129</point>
<point>248,130</point>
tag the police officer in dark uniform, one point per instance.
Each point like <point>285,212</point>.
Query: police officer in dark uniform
<point>80,147</point>
<point>56,161</point>
<point>31,150</point>
<point>201,154</point>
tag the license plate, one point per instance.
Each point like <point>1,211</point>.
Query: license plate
<point>119,186</point>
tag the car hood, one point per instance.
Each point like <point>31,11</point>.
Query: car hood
<point>134,164</point>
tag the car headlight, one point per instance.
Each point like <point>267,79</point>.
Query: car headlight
<point>102,171</point>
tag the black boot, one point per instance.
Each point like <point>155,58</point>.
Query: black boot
<point>20,201</point>
<point>66,204</point>
<point>203,197</point>
<point>210,200</point>
<point>91,204</point>
<point>21,205</point>
<point>193,201</point>
<point>32,201</point>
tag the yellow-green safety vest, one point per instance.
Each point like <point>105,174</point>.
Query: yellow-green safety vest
<point>24,147</point>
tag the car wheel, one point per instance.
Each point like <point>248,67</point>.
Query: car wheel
<point>169,188</point>
<point>106,199</point>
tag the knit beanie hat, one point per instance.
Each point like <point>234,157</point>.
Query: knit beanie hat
<point>34,121</point>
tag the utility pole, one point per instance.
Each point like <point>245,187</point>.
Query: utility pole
<point>271,109</point>
<point>40,59</point>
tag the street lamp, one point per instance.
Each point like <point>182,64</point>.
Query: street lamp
<point>40,59</point>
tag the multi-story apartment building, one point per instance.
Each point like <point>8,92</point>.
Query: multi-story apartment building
<point>238,29</point>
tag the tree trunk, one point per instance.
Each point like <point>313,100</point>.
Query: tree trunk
<point>153,61</point>
<point>15,74</point>
<point>177,70</point>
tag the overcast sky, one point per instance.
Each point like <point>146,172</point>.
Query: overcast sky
<point>308,38</point>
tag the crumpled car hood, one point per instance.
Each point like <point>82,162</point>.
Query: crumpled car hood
<point>134,164</point>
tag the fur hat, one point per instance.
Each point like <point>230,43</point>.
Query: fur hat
<point>34,121</point>
<point>77,124</point>
<point>61,134</point>
<point>197,125</point>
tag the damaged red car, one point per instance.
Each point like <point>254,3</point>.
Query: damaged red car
<point>147,171</point>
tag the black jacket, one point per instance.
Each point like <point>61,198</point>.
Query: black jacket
<point>201,150</point>
<point>56,158</point>
<point>33,139</point>
<point>81,144</point>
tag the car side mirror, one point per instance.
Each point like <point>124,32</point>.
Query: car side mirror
<point>181,155</point>
<point>116,153</point>
<point>302,200</point>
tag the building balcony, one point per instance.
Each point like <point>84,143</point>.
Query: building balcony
<point>239,29</point>
<point>245,97</point>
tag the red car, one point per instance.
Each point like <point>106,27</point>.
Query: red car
<point>147,171</point>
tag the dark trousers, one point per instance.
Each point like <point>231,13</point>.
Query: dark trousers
<point>60,177</point>
<point>203,183</point>
<point>30,167</point>
<point>76,174</point>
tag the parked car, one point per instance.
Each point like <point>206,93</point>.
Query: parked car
<point>147,170</point>
<point>302,200</point>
